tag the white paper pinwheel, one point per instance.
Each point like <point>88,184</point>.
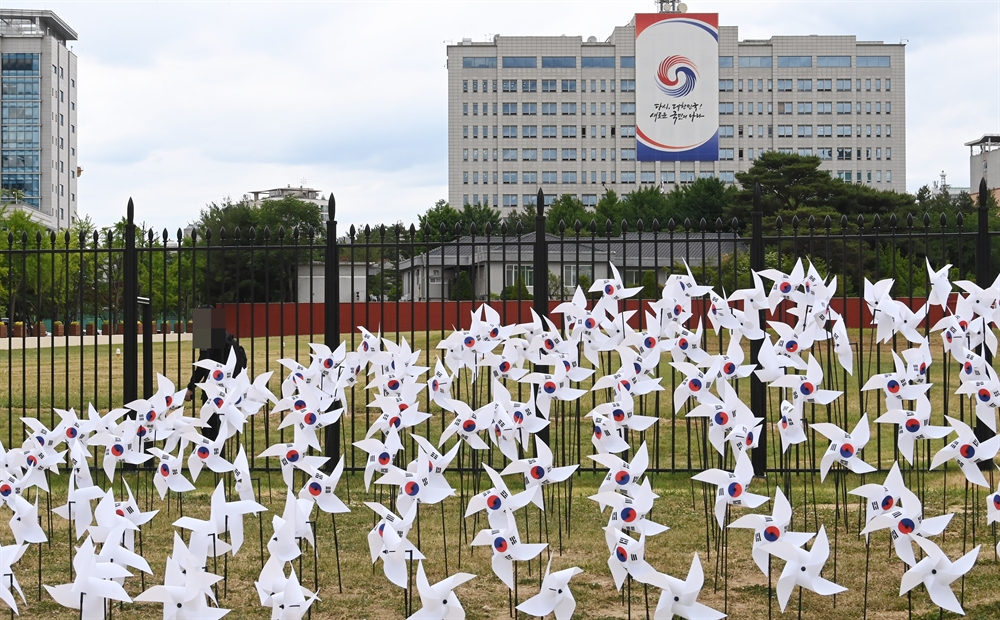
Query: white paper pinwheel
<point>913,426</point>
<point>291,601</point>
<point>785,285</point>
<point>307,413</point>
<point>380,454</point>
<point>732,487</point>
<point>9,555</point>
<point>183,593</point>
<point>790,426</point>
<point>438,601</point>
<point>507,549</point>
<point>583,325</point>
<point>321,488</point>
<point>728,418</point>
<point>241,476</point>
<point>627,557</point>
<point>290,529</point>
<point>77,507</point>
<point>556,386</point>
<point>684,344</point>
<point>629,378</point>
<point>844,447</point>
<point>613,287</point>
<point>769,529</point>
<point>416,487</point>
<point>24,524</point>
<point>894,385</point>
<point>882,497</point>
<point>498,501</point>
<point>967,452</point>
<point>207,452</point>
<point>937,573</point>
<point>291,456</point>
<point>93,585</point>
<point>805,388</point>
<point>882,306</point>
<point>940,285</point>
<point>119,447</point>
<point>468,424</point>
<point>803,568</point>
<point>770,364</point>
<point>169,473</point>
<point>538,471</point>
<point>623,476</point>
<point>629,513</point>
<point>680,598</point>
<point>555,596</point>
<point>986,395</point>
<point>224,516</point>
<point>907,523</point>
<point>388,541</point>
<point>792,341</point>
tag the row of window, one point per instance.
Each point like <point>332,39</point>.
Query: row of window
<point>549,108</point>
<point>549,86</point>
<point>806,131</point>
<point>549,131</point>
<point>549,154</point>
<point>806,85</point>
<point>570,177</point>
<point>767,62</point>
<point>806,107</point>
<point>548,62</point>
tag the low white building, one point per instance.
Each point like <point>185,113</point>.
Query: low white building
<point>311,280</point>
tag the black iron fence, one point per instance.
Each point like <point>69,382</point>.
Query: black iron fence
<point>94,318</point>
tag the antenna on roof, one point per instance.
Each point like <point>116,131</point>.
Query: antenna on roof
<point>671,6</point>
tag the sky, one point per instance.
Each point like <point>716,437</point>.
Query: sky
<point>186,103</point>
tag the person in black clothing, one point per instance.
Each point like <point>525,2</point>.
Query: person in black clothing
<point>214,344</point>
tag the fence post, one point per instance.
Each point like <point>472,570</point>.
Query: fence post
<point>541,290</point>
<point>758,391</point>
<point>331,303</point>
<point>984,278</point>
<point>130,290</point>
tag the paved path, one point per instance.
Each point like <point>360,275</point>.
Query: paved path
<point>46,342</point>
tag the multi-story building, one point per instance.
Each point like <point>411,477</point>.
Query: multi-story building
<point>305,194</point>
<point>559,113</point>
<point>38,159</point>
<point>984,163</point>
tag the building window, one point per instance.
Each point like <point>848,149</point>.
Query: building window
<point>558,62</point>
<point>844,175</point>
<point>479,62</point>
<point>844,153</point>
<point>529,131</point>
<point>844,107</point>
<point>569,155</point>
<point>784,107</point>
<point>843,86</point>
<point>509,178</point>
<point>529,86</point>
<point>529,177</point>
<point>873,61</point>
<point>805,131</point>
<point>628,154</point>
<point>628,86</point>
<point>628,109</point>
<point>628,176</point>
<point>785,131</point>
<point>687,176</point>
<point>725,131</point>
<point>727,176</point>
<point>549,178</point>
<point>627,62</point>
<point>824,85</point>
<point>825,153</point>
<point>804,152</point>
<point>569,177</point>
<point>529,109</point>
<point>726,154</point>
<point>510,131</point>
<point>509,200</point>
<point>510,109</point>
<point>525,272</point>
<point>805,107</point>
<point>509,86</point>
<point>725,62</point>
<point>667,177</point>
<point>597,62</point>
<point>888,153</point>
<point>794,61</point>
<point>510,154</point>
<point>824,107</point>
<point>529,154</point>
<point>519,62</point>
<point>627,131</point>
<point>569,131</point>
<point>753,62</point>
<point>647,176</point>
<point>569,109</point>
<point>465,178</point>
<point>465,154</point>
<point>549,154</point>
<point>549,109</point>
<point>804,86</point>
<point>833,61</point>
<point>569,86</point>
<point>465,86</point>
<point>784,86</point>
<point>725,86</point>
<point>725,107</point>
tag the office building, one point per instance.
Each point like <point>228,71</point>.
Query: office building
<point>38,158</point>
<point>984,163</point>
<point>305,194</point>
<point>558,112</point>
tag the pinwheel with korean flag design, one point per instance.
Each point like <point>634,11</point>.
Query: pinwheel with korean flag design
<point>380,454</point>
<point>905,523</point>
<point>555,596</point>
<point>583,325</point>
<point>671,311</point>
<point>937,573</point>
<point>308,413</point>
<point>792,341</point>
<point>170,473</point>
<point>507,549</point>
<point>771,528</point>
<point>220,374</point>
<point>522,415</point>
<point>627,559</point>
<point>498,501</point>
<point>844,447</point>
<point>680,598</point>
<point>556,386</point>
<point>732,487</point>
<point>186,588</point>
<point>729,418</point>
<point>696,382</point>
<point>486,327</point>
<point>71,428</point>
<point>805,388</point>
<point>622,411</point>
<point>967,451</point>
<point>629,514</point>
<point>731,364</point>
<point>803,568</point>
<point>207,452</point>
<point>790,425</point>
<point>785,286</point>
<point>221,401</point>
<point>387,540</point>
<point>895,386</point>
<point>959,330</point>
<point>882,497</point>
<point>685,284</point>
<point>986,395</point>
<point>439,384</point>
<point>607,435</point>
<point>539,471</point>
<point>119,447</point>
<point>684,344</point>
<point>612,287</point>
<point>918,360</point>
<point>993,511</point>
<point>468,424</point>
<point>630,378</point>
<point>291,456</point>
<point>438,601</point>
<point>545,341</point>
<point>913,426</point>
<point>623,476</point>
<point>416,487</point>
<point>396,414</point>
<point>321,488</point>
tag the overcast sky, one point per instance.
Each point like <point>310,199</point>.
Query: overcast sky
<point>184,103</point>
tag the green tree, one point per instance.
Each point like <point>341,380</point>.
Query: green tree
<point>462,290</point>
<point>789,185</point>
<point>517,291</point>
<point>567,209</point>
<point>650,287</point>
<point>707,198</point>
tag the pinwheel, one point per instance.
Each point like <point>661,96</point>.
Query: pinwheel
<point>627,377</point>
<point>297,374</point>
<point>507,548</point>
<point>940,285</point>
<point>680,598</point>
<point>754,299</point>
<point>77,507</point>
<point>486,321</point>
<point>414,487</point>
<point>622,411</point>
<point>504,434</point>
<point>769,529</point>
<point>435,461</point>
<point>622,476</point>
<point>627,558</point>
<point>221,374</point>
<point>729,418</point>
<point>612,287</point>
<point>438,601</point>
<point>584,326</point>
<point>841,342</point>
<point>685,345</point>
<point>882,497</point>
<point>555,596</point>
<point>731,364</point>
<point>93,585</point>
<point>803,568</point>
<point>9,555</point>
<point>805,388</point>
<point>967,451</point>
<point>439,385</point>
<point>844,447</point>
<point>113,552</point>
<point>983,300</point>
<point>183,592</point>
<point>790,426</point>
<point>119,447</point>
<point>380,454</point>
<point>306,415</point>
<point>993,508</point>
<point>959,330</point>
<point>224,516</point>
<point>72,429</point>
<point>556,386</point>
<point>169,473</point>
<point>792,341</point>
<point>784,286</point>
<point>241,476</point>
<point>918,359</point>
<point>672,311</point>
<point>607,435</point>
<point>882,307</point>
<point>129,509</point>
<point>291,456</point>
<point>732,487</point>
<point>973,367</point>
<point>937,573</point>
<point>24,524</point>
<point>291,601</point>
<point>907,321</point>
<point>685,284</point>
<point>895,385</point>
<point>290,529</point>
<point>538,471</point>
<point>207,452</point>
<point>109,522</point>
<point>720,314</point>
<point>629,513</point>
<point>468,424</point>
<point>913,426</point>
<point>321,489</point>
<point>907,523</point>
<point>387,540</point>
<point>498,501</point>
<point>696,382</point>
<point>986,395</point>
